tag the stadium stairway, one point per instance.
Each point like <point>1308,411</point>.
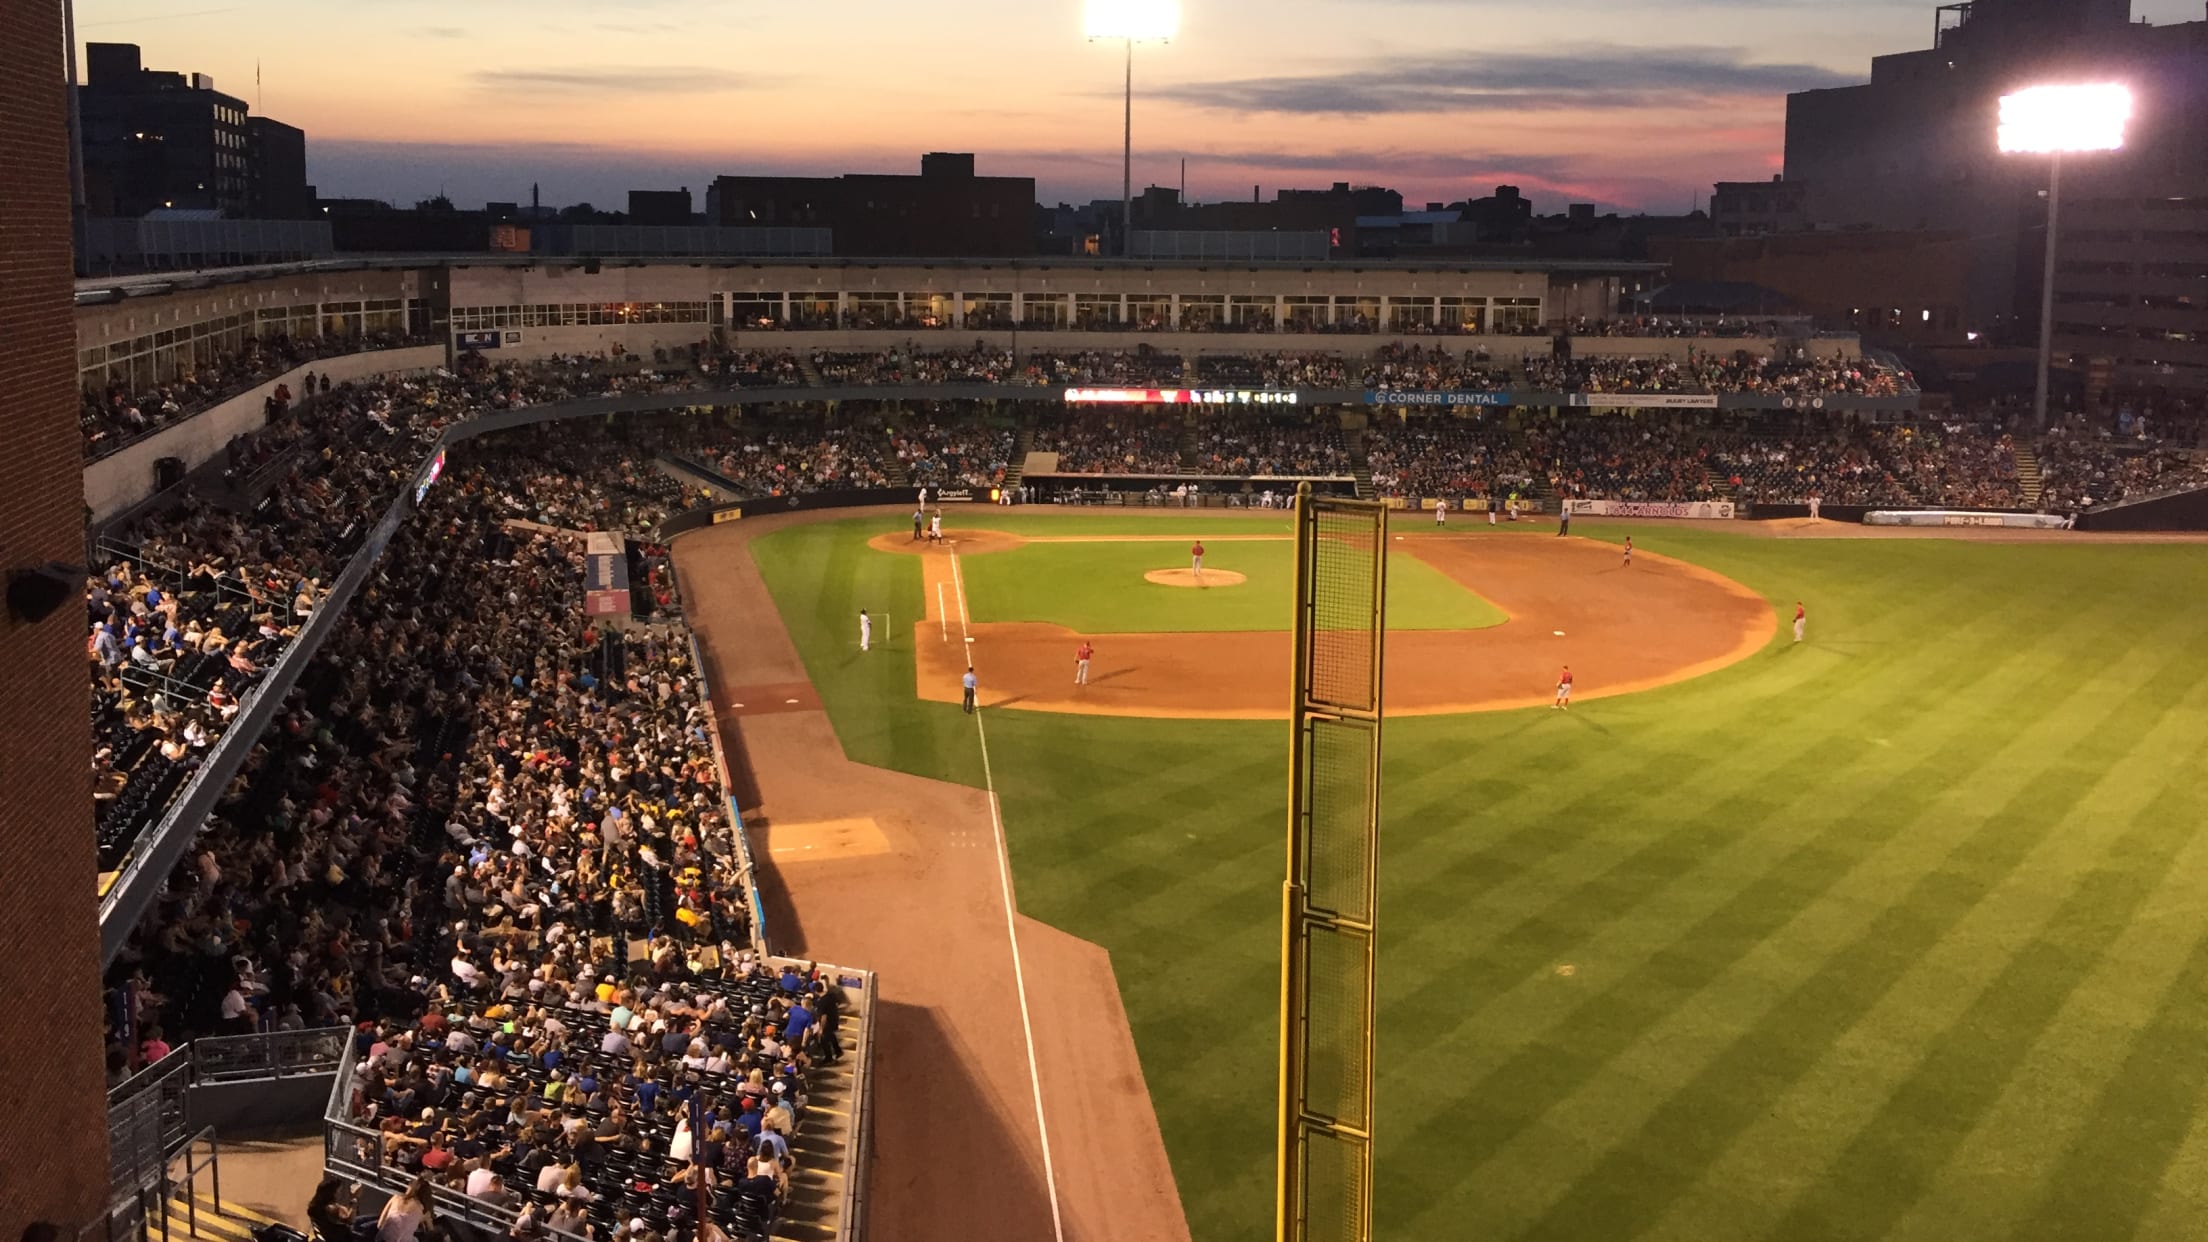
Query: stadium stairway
<point>1189,447</point>
<point>2027,475</point>
<point>814,1209</point>
<point>1360,466</point>
<point>215,1220</point>
<point>1016,465</point>
<point>811,372</point>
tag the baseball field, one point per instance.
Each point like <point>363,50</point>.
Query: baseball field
<point>1899,932</point>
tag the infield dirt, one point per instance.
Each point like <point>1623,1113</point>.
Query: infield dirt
<point>1569,601</point>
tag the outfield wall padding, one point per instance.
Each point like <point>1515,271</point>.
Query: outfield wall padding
<point>2182,511</point>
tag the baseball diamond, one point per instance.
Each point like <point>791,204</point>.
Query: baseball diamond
<point>1882,934</point>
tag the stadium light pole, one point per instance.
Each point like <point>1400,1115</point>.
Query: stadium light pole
<point>2054,121</point>
<point>1135,21</point>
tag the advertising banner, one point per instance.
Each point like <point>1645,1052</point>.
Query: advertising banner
<point>953,496</point>
<point>486,339</point>
<point>1700,510</point>
<point>1644,400</point>
<point>1178,396</point>
<point>1949,517</point>
<point>1375,397</point>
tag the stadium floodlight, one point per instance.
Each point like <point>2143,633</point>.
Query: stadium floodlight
<point>2054,121</point>
<point>1135,21</point>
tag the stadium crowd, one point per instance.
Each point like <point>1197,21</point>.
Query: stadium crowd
<point>113,415</point>
<point>1681,326</point>
<point>1412,368</point>
<point>1143,367</point>
<point>939,451</point>
<point>469,807</point>
<point>1715,373</point>
<point>791,454</point>
<point>1115,442</point>
<point>1269,446</point>
<point>979,365</point>
<point>193,602</point>
<point>1277,370</point>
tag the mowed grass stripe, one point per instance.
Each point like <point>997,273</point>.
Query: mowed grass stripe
<point>2161,1098</point>
<point>1581,1034</point>
<point>1576,1043</point>
<point>1730,803</point>
<point>1157,792</point>
<point>1662,1160</point>
<point>2068,1087</point>
<point>1809,1123</point>
<point>820,577</point>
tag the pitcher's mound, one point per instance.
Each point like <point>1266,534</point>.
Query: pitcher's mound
<point>1188,578</point>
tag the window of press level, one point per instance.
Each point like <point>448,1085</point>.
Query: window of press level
<point>1406,313</point>
<point>1042,310</point>
<point>871,310</point>
<point>987,309</point>
<point>933,310</point>
<point>1149,309</point>
<point>1095,308</point>
<point>755,309</point>
<point>1359,310</point>
<point>1305,312</point>
<point>1464,314</point>
<point>1250,310</point>
<point>1202,310</point>
<point>1517,314</point>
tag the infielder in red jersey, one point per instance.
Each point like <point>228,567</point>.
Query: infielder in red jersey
<point>1081,656</point>
<point>1196,559</point>
<point>1564,689</point>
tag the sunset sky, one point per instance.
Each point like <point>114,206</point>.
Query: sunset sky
<point>1632,105</point>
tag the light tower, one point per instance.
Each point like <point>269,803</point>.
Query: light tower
<point>1135,21</point>
<point>2054,121</point>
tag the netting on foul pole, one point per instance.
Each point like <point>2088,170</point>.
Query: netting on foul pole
<point>1328,950</point>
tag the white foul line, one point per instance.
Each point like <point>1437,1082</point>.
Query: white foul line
<point>1011,929</point>
<point>942,613</point>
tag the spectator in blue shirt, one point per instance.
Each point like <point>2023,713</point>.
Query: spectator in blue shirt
<point>801,1019</point>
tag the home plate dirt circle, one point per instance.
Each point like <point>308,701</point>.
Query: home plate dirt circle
<point>1190,578</point>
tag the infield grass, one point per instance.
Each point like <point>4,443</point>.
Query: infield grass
<point>1900,933</point>
<point>1099,588</point>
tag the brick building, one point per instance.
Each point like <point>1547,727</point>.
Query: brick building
<point>945,212</point>
<point>53,1152</point>
<point>1906,285</point>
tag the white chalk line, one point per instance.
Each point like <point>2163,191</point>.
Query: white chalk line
<point>1011,928</point>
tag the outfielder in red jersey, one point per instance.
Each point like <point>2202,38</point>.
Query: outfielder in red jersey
<point>1564,689</point>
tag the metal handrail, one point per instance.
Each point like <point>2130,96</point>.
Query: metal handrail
<point>270,1054</point>
<point>213,1165</point>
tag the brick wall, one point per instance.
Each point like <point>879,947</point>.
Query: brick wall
<point>53,1139</point>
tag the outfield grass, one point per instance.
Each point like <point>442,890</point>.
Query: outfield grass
<point>1098,588</point>
<point>1895,934</point>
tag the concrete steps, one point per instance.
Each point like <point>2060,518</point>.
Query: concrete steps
<point>203,1216</point>
<point>2027,475</point>
<point>1016,465</point>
